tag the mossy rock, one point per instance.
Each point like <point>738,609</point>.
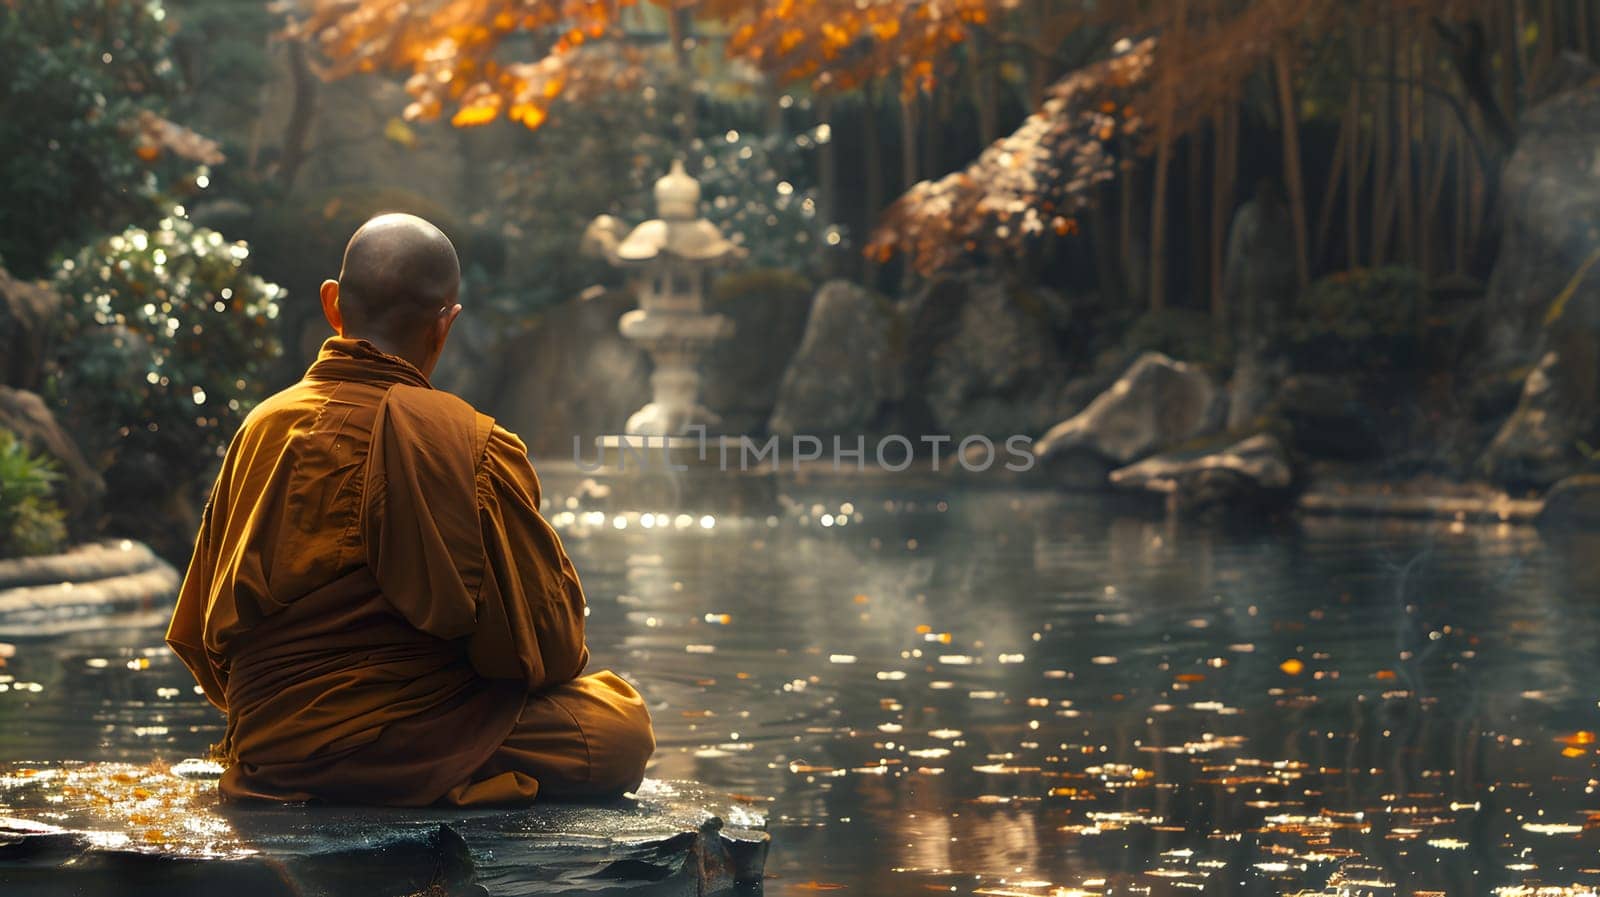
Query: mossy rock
<point>1182,333</point>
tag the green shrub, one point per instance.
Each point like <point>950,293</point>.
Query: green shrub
<point>1358,320</point>
<point>73,75</point>
<point>30,520</point>
<point>166,336</point>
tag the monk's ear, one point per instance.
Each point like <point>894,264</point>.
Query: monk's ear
<point>330,306</point>
<point>447,318</point>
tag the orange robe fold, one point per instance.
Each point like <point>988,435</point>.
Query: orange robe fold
<point>385,617</point>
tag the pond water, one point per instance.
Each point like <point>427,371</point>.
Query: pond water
<point>981,692</point>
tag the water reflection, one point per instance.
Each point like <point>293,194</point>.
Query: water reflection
<point>1021,694</point>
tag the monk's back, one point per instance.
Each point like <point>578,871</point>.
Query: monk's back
<point>374,599</point>
<point>328,686</point>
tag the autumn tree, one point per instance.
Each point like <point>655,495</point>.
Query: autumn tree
<point>1420,94</point>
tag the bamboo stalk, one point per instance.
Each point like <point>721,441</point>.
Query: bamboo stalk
<point>1158,202</point>
<point>1128,182</point>
<point>1198,257</point>
<point>1404,196</point>
<point>1545,50</point>
<point>1336,172</point>
<point>908,138</point>
<point>1581,25</point>
<point>1157,277</point>
<point>1461,202</point>
<point>1224,124</point>
<point>1354,162</point>
<point>873,151</point>
<point>985,93</point>
<point>1380,160</point>
<point>1291,162</point>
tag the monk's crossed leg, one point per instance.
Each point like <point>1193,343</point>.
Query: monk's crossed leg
<point>589,738</point>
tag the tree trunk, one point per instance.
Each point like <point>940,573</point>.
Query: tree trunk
<point>1462,173</point>
<point>1291,163</point>
<point>1383,161</point>
<point>297,131</point>
<point>908,139</point>
<point>1336,172</point>
<point>985,91</point>
<point>1225,127</point>
<point>873,150</point>
<point>1126,203</point>
<point>1157,278</point>
<point>1196,274</point>
<point>1355,162</point>
<point>1108,261</point>
<point>1404,195</point>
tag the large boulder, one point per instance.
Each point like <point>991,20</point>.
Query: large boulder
<point>742,375</point>
<point>26,312</point>
<point>1156,403</point>
<point>1251,475</point>
<point>1543,306</point>
<point>569,374</point>
<point>842,377</point>
<point>80,487</point>
<point>1550,207</point>
<point>1540,443</point>
<point>985,356</point>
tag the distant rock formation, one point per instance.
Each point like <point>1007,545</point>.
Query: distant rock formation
<point>26,311</point>
<point>841,378</point>
<point>985,356</point>
<point>80,488</point>
<point>1543,305</point>
<point>1155,404</point>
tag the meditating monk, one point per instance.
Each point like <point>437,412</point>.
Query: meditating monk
<point>374,599</point>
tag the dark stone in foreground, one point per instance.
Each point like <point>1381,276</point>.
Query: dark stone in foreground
<point>133,830</point>
<point>1252,476</point>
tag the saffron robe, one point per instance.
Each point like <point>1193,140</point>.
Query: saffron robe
<point>378,606</point>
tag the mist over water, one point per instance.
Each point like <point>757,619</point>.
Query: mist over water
<point>1013,693</point>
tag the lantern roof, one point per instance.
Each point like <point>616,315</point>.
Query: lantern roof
<point>679,231</point>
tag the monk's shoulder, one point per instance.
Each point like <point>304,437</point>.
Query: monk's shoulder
<point>424,407</point>
<point>291,402</point>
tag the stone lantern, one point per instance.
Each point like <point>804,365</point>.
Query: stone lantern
<point>667,259</point>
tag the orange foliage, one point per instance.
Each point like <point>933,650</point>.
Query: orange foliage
<point>1037,177</point>
<point>843,44</point>
<point>450,46</point>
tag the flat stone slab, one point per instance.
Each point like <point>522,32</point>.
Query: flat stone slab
<point>112,828</point>
<point>1366,503</point>
<point>82,587</point>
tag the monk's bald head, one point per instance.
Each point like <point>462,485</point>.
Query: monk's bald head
<point>399,272</point>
